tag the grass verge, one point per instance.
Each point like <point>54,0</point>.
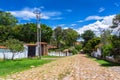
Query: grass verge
<point>11,66</point>
<point>105,63</point>
<point>52,56</point>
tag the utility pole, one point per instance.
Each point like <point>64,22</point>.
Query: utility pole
<point>37,13</point>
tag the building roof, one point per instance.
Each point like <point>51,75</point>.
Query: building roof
<point>2,47</point>
<point>51,47</point>
<point>31,44</point>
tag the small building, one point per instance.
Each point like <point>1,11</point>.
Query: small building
<point>30,50</point>
<point>33,49</point>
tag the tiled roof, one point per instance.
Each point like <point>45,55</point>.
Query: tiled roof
<point>2,47</point>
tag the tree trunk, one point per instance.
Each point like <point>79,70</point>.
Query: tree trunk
<point>13,56</point>
<point>3,56</point>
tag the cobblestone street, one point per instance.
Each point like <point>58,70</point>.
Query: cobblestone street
<point>77,67</point>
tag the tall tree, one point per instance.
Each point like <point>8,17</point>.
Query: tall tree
<point>87,35</point>
<point>27,32</point>
<point>70,36</point>
<point>7,19</point>
<point>6,32</point>
<point>58,35</point>
<point>116,24</point>
<point>46,33</point>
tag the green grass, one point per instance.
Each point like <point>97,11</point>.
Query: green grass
<point>8,67</point>
<point>105,63</point>
<point>52,56</point>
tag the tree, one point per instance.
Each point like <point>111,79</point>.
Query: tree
<point>14,46</point>
<point>6,32</point>
<point>28,32</point>
<point>91,44</point>
<point>116,24</point>
<point>87,35</point>
<point>70,36</point>
<point>46,33</point>
<point>7,19</point>
<point>58,35</point>
<point>25,32</point>
<point>115,39</point>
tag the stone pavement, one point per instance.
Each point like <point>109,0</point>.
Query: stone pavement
<point>77,67</point>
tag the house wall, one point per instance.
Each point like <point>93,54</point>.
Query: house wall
<point>23,54</point>
<point>8,54</point>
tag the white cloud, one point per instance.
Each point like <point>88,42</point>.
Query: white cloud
<point>93,18</point>
<point>104,24</point>
<point>101,9</point>
<point>65,27</point>
<point>68,10</point>
<point>73,24</point>
<point>28,13</point>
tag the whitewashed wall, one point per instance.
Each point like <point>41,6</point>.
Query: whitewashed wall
<point>59,54</point>
<point>8,54</point>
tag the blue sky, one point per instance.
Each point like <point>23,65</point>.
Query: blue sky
<point>76,14</point>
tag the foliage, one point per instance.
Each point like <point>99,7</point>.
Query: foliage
<point>107,49</point>
<point>78,47</point>
<point>116,23</point>
<point>87,35</point>
<point>65,37</point>
<point>6,32</point>
<point>9,67</point>
<point>58,36</point>
<point>70,36</point>
<point>74,51</point>
<point>90,46</point>
<point>25,32</point>
<point>14,46</point>
<point>116,20</point>
<point>7,19</point>
<point>105,37</point>
<point>115,40</point>
<point>46,33</point>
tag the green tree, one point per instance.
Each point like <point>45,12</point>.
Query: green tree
<point>70,36</point>
<point>25,32</point>
<point>6,32</point>
<point>7,19</point>
<point>28,32</point>
<point>58,36</point>
<point>15,46</point>
<point>116,23</point>
<point>91,45</point>
<point>87,35</point>
<point>46,33</point>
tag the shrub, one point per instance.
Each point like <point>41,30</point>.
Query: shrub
<point>90,46</point>
<point>78,47</point>
<point>74,51</point>
<point>107,49</point>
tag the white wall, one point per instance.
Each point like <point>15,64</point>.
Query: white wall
<point>8,54</point>
<point>59,54</point>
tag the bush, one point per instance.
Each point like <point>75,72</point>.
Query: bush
<point>74,51</point>
<point>90,46</point>
<point>78,47</point>
<point>107,49</point>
